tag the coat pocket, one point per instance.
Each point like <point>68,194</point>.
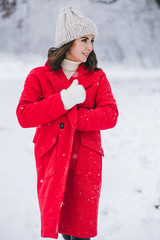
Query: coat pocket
<point>46,147</point>
<point>92,142</point>
<point>89,161</point>
<point>46,157</point>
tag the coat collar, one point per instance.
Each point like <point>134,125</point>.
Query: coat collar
<point>60,81</point>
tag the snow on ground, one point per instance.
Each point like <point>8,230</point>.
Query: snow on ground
<point>131,166</point>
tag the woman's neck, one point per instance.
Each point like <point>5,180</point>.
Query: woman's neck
<point>70,65</point>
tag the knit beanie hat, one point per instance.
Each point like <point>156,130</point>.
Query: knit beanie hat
<point>71,25</point>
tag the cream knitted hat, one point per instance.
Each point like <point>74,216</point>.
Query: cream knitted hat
<point>71,25</point>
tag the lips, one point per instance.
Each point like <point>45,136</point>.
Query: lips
<point>86,54</point>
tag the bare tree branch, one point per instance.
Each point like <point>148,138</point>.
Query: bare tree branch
<point>7,7</point>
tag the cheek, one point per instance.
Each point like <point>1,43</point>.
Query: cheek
<point>78,51</point>
<point>74,52</point>
<point>78,48</point>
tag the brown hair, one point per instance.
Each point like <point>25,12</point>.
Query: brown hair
<point>56,56</point>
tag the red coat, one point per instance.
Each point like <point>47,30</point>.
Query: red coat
<point>67,147</point>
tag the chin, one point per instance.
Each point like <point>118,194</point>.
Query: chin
<point>84,60</point>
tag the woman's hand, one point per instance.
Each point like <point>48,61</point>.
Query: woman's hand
<point>73,95</point>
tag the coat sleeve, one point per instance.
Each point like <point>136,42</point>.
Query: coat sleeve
<point>105,113</point>
<point>32,109</point>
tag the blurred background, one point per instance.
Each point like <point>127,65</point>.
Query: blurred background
<point>128,51</point>
<point>129,31</point>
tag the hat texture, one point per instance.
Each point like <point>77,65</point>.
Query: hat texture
<point>71,25</point>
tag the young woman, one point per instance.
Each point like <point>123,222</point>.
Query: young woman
<point>69,100</point>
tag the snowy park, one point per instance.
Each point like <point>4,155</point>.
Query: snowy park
<point>130,196</point>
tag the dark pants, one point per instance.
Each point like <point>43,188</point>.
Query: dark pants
<point>68,237</point>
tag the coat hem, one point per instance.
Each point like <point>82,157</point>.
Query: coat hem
<point>49,236</point>
<point>79,236</point>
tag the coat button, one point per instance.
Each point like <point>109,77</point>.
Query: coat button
<point>61,125</point>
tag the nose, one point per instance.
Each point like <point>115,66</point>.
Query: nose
<point>89,46</point>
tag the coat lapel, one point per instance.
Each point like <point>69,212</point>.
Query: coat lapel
<point>82,75</point>
<point>60,81</point>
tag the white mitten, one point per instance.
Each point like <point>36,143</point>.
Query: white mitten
<point>73,95</point>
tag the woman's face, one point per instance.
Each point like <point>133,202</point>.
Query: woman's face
<point>81,48</point>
